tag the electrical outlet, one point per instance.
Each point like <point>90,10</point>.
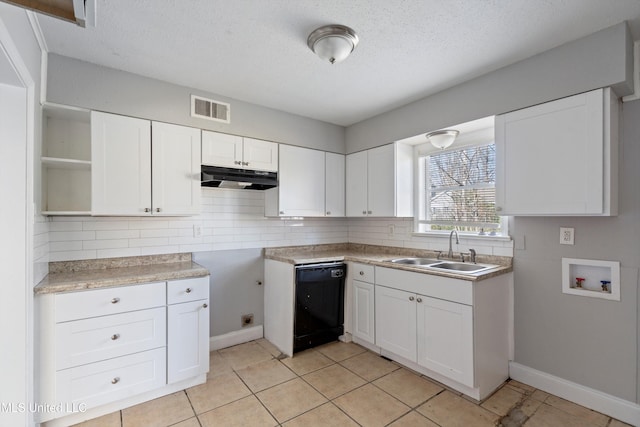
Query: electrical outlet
<point>392,229</point>
<point>197,230</point>
<point>566,236</point>
<point>247,319</point>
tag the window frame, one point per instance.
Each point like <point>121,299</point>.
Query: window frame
<point>424,150</point>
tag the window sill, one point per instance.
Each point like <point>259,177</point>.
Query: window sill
<point>468,236</point>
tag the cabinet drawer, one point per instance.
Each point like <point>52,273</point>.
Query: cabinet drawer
<point>363,272</point>
<point>102,302</point>
<point>187,290</point>
<point>446,288</point>
<point>114,379</point>
<point>90,340</point>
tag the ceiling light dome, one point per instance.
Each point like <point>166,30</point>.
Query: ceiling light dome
<point>442,138</point>
<point>332,43</point>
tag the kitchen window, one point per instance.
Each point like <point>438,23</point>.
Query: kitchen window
<point>457,191</point>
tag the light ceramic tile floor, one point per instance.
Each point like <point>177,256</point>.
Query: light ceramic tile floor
<point>340,384</point>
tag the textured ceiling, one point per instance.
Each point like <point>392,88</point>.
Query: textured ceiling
<point>255,50</point>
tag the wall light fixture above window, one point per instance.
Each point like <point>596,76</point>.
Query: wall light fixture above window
<point>333,43</point>
<point>442,138</point>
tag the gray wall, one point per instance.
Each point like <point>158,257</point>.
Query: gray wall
<point>593,342</point>
<point>599,60</point>
<point>233,289</point>
<point>78,83</point>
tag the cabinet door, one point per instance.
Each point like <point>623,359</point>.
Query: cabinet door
<point>176,169</point>
<point>301,181</point>
<point>445,338</point>
<point>395,313</point>
<point>260,155</point>
<point>549,158</point>
<point>221,149</point>
<point>356,184</point>
<point>121,165</point>
<point>381,181</point>
<point>334,184</point>
<point>363,311</point>
<point>187,340</point>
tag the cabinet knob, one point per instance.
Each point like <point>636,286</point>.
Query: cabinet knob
<point>115,337</point>
<point>498,209</point>
<point>115,300</point>
<point>369,212</point>
<point>188,290</point>
<point>411,298</point>
<point>205,305</point>
<point>116,380</point>
<point>328,212</point>
<point>419,299</point>
<point>245,163</point>
<point>362,273</point>
<point>281,212</point>
<point>364,212</point>
<point>237,162</point>
<point>157,209</point>
<point>147,210</point>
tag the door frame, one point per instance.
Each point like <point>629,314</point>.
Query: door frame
<point>16,297</point>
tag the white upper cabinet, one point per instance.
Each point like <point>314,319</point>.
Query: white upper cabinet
<point>380,182</point>
<point>175,169</point>
<point>122,179</point>
<point>559,158</point>
<point>231,151</point>
<point>121,160</point>
<point>334,184</point>
<point>300,190</point>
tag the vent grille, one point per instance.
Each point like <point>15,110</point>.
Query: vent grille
<point>210,109</point>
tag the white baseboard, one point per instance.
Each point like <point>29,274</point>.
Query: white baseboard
<point>613,406</point>
<point>235,337</point>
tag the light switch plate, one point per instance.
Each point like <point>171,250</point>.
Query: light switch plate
<point>566,236</point>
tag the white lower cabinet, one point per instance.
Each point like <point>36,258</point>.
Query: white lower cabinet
<point>445,338</point>
<point>396,322</point>
<point>363,311</point>
<point>108,345</point>
<point>188,329</point>
<point>455,331</point>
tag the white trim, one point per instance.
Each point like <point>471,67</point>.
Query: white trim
<point>235,337</point>
<point>44,55</point>
<point>613,406</point>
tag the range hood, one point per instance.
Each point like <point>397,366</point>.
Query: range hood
<point>216,176</point>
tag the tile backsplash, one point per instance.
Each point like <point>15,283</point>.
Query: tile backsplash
<point>230,219</point>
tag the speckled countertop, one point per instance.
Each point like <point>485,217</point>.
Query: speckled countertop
<point>380,256</point>
<point>69,276</point>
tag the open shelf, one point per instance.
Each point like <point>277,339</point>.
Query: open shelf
<point>592,273</point>
<point>66,161</point>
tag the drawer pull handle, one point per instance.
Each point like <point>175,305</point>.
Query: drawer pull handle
<point>115,336</point>
<point>411,298</point>
<point>205,305</point>
<point>188,290</point>
<point>116,380</point>
<point>115,300</point>
<point>362,273</point>
<point>419,299</point>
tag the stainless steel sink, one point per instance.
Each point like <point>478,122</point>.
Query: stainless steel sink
<point>415,261</point>
<point>460,266</point>
<point>438,264</point>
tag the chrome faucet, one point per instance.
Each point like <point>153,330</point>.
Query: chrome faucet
<point>473,255</point>
<point>450,253</point>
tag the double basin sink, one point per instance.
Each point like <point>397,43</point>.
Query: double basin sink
<point>440,265</point>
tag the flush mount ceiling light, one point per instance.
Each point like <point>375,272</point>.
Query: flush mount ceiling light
<point>332,43</point>
<point>442,138</point>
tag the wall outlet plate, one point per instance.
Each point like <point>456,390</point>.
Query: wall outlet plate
<point>566,236</point>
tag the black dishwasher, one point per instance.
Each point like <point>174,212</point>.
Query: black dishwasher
<point>319,310</point>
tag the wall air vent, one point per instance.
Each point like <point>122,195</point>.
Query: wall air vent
<point>209,109</point>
